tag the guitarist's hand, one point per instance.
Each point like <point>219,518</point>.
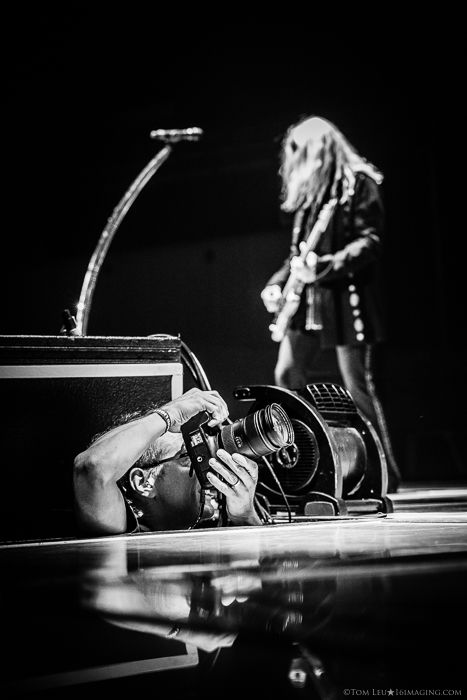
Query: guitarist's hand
<point>304,271</point>
<point>271,296</point>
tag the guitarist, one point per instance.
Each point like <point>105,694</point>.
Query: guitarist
<point>337,276</point>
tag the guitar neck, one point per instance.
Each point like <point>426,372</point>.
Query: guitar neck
<point>293,288</point>
<point>311,242</point>
<point>292,284</point>
<point>319,228</point>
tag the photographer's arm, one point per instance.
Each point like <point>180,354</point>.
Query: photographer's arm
<point>100,506</point>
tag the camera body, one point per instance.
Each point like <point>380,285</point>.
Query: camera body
<point>258,434</point>
<point>201,442</point>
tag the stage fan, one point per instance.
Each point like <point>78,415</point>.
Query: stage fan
<point>336,465</point>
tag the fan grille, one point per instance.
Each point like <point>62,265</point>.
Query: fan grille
<point>304,457</point>
<point>331,399</point>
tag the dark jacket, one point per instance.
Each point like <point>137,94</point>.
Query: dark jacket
<point>347,299</point>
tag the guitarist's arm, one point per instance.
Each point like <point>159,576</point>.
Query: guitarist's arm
<point>367,227</point>
<point>280,277</point>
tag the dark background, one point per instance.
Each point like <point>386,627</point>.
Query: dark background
<point>192,255</point>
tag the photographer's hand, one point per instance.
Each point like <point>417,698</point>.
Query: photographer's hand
<point>192,402</point>
<point>241,475</point>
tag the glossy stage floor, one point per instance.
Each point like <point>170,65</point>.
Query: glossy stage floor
<point>329,608</point>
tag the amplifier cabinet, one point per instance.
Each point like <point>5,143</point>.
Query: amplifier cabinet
<point>58,392</point>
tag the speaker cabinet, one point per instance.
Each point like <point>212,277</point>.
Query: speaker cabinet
<point>57,393</point>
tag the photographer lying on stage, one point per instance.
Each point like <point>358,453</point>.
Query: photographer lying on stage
<point>136,477</point>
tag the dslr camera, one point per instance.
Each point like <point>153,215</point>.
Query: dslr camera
<point>258,434</point>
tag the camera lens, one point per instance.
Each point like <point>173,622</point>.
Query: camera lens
<point>258,434</point>
<point>282,431</point>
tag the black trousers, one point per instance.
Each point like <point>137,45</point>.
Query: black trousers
<point>295,367</point>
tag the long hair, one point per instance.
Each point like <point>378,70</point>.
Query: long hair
<point>317,159</point>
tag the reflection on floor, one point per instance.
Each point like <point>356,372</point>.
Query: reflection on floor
<point>353,605</point>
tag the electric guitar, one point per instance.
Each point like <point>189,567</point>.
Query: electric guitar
<point>293,288</point>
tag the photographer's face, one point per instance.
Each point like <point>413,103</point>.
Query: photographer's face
<point>169,455</point>
<point>171,496</point>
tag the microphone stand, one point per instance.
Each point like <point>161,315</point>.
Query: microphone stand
<point>106,237</point>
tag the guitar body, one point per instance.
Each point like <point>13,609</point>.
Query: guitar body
<point>292,291</point>
<point>289,307</point>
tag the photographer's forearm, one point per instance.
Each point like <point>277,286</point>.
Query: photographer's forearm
<point>99,505</point>
<point>113,453</point>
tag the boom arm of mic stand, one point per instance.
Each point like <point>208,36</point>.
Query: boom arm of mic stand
<point>106,237</point>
